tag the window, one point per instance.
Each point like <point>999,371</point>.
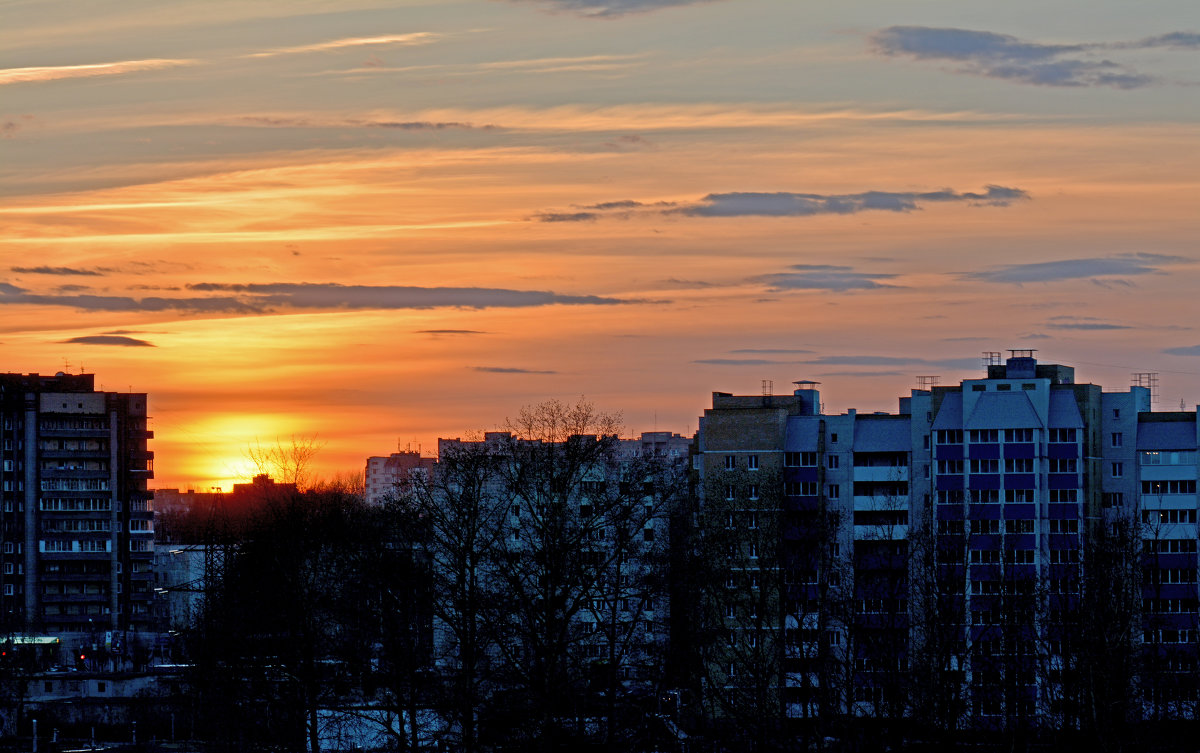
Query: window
<point>1118,439</point>
<point>950,466</point>
<point>949,436</point>
<point>985,527</point>
<point>978,387</point>
<point>984,435</point>
<point>1062,435</point>
<point>834,492</point>
<point>1064,495</point>
<point>1116,412</point>
<point>753,491</point>
<point>1028,386</point>
<point>752,462</point>
<point>985,465</point>
<point>1063,465</point>
<point>730,492</point>
<point>800,488</point>
<point>1114,499</point>
<point>752,521</point>
<point>1018,495</point>
<point>831,461</point>
<point>1018,465</point>
<point>1018,435</point>
<point>1183,486</point>
<point>730,463</point>
<point>833,438</point>
<point>800,459</point>
<point>1118,470</point>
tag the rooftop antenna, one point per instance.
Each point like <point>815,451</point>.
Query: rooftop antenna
<point>768,387</point>
<point>1149,380</point>
<point>991,358</point>
<point>928,382</point>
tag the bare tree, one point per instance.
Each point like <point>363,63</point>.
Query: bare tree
<point>288,461</point>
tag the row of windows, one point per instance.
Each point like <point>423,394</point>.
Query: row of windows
<point>993,556</point>
<point>59,525</point>
<point>1152,517</point>
<point>1011,465</point>
<point>75,545</point>
<point>72,445</point>
<point>1169,636</point>
<point>1169,546</point>
<point>1174,457</point>
<point>1169,606</point>
<point>59,504</point>
<point>1172,575</point>
<point>74,484</point>
<point>1184,486</point>
<point>73,422</point>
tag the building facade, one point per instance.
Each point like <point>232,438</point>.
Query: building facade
<point>951,560</point>
<point>384,476</point>
<point>78,532</point>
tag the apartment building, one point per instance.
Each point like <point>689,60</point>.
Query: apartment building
<point>78,532</point>
<point>935,560</point>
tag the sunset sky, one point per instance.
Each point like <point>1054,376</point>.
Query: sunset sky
<point>384,222</point>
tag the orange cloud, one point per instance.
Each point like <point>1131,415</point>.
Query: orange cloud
<point>55,72</point>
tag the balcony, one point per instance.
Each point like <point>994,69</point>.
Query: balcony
<point>881,473</point>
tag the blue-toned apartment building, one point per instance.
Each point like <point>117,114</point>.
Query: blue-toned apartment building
<point>934,561</point>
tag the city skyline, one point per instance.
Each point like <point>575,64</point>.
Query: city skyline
<point>381,223</point>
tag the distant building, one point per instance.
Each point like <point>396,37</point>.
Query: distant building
<point>385,475</point>
<point>78,534</point>
<point>614,505</point>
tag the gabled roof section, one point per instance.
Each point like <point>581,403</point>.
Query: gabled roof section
<point>1003,410</point>
<point>1064,411</point>
<point>949,415</point>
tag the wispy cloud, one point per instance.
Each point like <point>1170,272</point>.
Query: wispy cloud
<point>1190,350</point>
<point>787,204</point>
<point>1102,270</point>
<point>1001,56</point>
<point>771,351</point>
<point>738,361</point>
<point>563,64</point>
<point>438,332</point>
<point>1082,323</point>
<point>831,374</point>
<point>128,342</point>
<point>56,72</point>
<point>614,8</point>
<point>67,271</point>
<point>254,298</point>
<point>297,121</point>
<point>823,277</point>
<point>414,38</point>
<point>867,361</point>
<point>508,370</point>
